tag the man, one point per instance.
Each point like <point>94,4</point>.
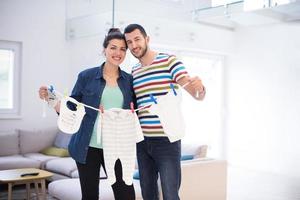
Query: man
<point>152,78</point>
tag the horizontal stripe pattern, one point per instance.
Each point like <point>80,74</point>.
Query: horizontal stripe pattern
<point>155,79</point>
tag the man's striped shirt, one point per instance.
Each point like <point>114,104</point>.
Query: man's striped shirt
<point>155,79</point>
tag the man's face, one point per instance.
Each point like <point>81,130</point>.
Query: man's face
<point>137,43</point>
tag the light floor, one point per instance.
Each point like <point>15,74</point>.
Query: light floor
<point>243,184</point>
<point>19,193</point>
<point>246,184</point>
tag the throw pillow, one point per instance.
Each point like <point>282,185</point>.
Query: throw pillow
<point>136,175</point>
<point>186,157</point>
<point>62,140</point>
<point>201,152</point>
<point>195,149</point>
<point>54,151</point>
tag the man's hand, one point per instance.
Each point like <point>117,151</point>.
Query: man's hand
<point>196,83</point>
<point>194,86</point>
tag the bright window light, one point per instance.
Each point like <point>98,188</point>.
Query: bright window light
<point>280,2</point>
<point>215,3</point>
<point>259,4</point>
<point>203,120</point>
<point>10,61</point>
<point>255,4</point>
<point>6,78</point>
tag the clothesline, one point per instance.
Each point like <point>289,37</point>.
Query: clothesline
<point>99,110</point>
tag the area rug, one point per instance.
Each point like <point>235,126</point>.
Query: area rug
<point>19,193</point>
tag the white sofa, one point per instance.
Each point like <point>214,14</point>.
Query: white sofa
<point>21,149</point>
<point>201,179</point>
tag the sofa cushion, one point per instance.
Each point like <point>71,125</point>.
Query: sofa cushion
<point>56,177</point>
<point>75,174</point>
<point>16,162</point>
<point>42,158</point>
<point>9,143</point>
<point>64,166</point>
<point>62,140</point>
<point>67,189</point>
<point>102,175</point>
<point>32,141</point>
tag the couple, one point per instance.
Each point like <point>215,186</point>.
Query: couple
<point>115,88</point>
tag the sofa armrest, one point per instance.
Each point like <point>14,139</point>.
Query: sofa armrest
<point>203,179</point>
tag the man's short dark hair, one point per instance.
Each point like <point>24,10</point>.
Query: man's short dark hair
<point>132,27</point>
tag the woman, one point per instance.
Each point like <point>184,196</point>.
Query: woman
<point>111,87</point>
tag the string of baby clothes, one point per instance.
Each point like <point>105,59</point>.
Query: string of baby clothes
<point>69,121</point>
<point>100,110</point>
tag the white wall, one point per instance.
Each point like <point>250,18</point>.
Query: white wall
<point>86,46</point>
<point>263,95</point>
<point>87,51</point>
<point>48,58</point>
<point>40,26</point>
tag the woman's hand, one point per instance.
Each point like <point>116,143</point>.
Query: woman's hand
<point>43,93</point>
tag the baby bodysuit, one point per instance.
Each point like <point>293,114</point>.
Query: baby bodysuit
<point>69,121</point>
<point>120,133</point>
<point>168,109</point>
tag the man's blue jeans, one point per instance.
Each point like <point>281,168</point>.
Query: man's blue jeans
<point>157,155</point>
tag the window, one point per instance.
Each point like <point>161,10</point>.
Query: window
<point>203,120</point>
<point>215,3</point>
<point>259,4</point>
<point>10,57</point>
<point>254,5</point>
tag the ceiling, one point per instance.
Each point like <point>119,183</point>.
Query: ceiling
<point>88,17</point>
<point>232,16</point>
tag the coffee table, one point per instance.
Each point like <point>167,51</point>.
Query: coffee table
<point>13,177</point>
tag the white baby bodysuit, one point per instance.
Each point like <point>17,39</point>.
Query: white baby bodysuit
<point>120,133</point>
<point>168,109</point>
<point>69,121</point>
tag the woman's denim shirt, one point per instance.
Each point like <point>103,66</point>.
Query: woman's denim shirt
<point>88,90</point>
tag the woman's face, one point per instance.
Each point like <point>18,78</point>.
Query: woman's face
<point>115,51</point>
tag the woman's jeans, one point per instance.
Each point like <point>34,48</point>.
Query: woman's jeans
<point>156,155</point>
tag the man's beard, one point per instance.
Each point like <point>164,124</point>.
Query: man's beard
<point>144,51</point>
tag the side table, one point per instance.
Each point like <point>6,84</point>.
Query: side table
<point>13,177</point>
